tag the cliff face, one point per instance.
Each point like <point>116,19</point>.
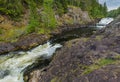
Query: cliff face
<point>74,16</point>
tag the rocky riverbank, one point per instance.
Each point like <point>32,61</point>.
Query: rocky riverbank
<point>94,59</point>
<point>23,43</point>
<point>32,40</point>
<point>12,32</point>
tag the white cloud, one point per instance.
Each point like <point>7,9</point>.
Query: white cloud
<point>111,4</point>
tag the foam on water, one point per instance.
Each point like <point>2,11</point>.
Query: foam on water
<point>103,22</point>
<point>106,21</point>
<point>11,66</point>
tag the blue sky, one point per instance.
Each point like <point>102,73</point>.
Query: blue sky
<point>111,4</point>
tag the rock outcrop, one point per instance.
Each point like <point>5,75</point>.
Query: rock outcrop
<point>74,16</point>
<point>94,59</point>
<point>23,43</point>
<point>32,40</point>
<point>6,47</point>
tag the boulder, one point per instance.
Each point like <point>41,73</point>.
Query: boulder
<point>6,47</point>
<point>30,41</point>
<point>23,43</point>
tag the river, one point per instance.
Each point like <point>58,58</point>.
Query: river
<point>12,65</point>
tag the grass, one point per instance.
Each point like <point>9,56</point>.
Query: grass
<point>11,35</point>
<point>100,63</point>
<point>99,37</point>
<point>54,79</point>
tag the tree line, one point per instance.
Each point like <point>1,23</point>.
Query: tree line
<point>15,9</point>
<point>114,13</point>
<point>95,9</point>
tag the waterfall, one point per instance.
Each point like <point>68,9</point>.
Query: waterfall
<point>103,22</point>
<point>13,64</point>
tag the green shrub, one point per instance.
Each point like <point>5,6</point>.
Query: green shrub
<point>34,17</point>
<point>48,15</point>
<point>1,31</point>
<point>13,8</point>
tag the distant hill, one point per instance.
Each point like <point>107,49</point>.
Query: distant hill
<point>114,13</point>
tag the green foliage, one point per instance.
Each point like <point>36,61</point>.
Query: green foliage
<point>60,6</point>
<point>100,63</point>
<point>83,5</point>
<point>105,9</point>
<point>95,9</point>
<point>15,8</point>
<point>1,31</point>
<point>48,15</point>
<point>12,8</point>
<point>114,13</point>
<point>45,19</point>
<point>33,25</point>
<point>11,34</point>
<point>34,17</point>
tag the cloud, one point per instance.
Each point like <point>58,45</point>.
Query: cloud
<point>111,4</point>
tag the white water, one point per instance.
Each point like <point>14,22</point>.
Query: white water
<point>104,21</point>
<point>11,66</point>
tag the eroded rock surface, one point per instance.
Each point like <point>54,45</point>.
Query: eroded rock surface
<point>6,47</point>
<point>31,40</point>
<point>94,59</point>
<point>24,43</point>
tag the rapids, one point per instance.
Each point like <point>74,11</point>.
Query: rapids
<point>13,64</point>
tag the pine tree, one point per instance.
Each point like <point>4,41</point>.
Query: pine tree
<point>105,9</point>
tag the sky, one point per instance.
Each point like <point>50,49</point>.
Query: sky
<point>111,4</point>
